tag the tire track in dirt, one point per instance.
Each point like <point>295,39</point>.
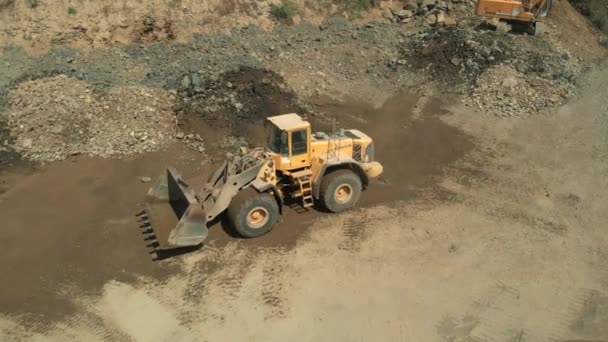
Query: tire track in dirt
<point>354,230</point>
<point>588,317</point>
<point>273,292</point>
<point>217,275</point>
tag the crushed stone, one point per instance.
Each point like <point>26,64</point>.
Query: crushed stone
<point>53,118</point>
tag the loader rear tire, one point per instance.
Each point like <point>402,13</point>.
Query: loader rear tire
<point>253,214</point>
<point>340,190</point>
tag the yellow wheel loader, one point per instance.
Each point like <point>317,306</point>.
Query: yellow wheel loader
<point>329,170</point>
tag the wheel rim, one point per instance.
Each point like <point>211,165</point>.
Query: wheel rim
<point>343,193</point>
<point>257,217</point>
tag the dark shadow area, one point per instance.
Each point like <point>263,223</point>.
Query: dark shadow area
<point>162,254</point>
<point>513,27</point>
<point>8,156</point>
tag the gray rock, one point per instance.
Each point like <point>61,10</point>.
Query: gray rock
<point>403,14</point>
<point>185,83</point>
<point>431,19</point>
<point>146,179</point>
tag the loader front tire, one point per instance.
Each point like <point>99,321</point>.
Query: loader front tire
<point>340,190</point>
<point>253,214</point>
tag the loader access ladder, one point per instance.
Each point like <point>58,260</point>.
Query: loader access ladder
<point>302,178</point>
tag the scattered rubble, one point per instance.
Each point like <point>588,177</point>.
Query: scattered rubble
<point>194,141</point>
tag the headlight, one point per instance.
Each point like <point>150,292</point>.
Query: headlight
<point>369,153</point>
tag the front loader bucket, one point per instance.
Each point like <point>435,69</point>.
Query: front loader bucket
<point>173,217</point>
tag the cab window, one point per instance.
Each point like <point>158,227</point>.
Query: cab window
<point>277,140</point>
<point>299,142</point>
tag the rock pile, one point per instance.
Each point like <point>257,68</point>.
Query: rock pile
<point>50,119</point>
<point>475,62</point>
<point>503,91</point>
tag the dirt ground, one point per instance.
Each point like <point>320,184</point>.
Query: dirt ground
<point>496,235</point>
<point>483,227</point>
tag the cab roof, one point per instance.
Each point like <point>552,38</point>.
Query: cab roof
<point>288,122</point>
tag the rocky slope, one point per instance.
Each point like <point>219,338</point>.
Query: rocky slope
<point>140,97</point>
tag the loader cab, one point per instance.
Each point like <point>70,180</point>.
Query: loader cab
<point>289,141</point>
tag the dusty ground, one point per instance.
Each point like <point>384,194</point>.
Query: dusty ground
<point>482,228</point>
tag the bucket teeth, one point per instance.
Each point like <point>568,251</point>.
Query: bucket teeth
<point>153,245</point>
<point>151,237</point>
